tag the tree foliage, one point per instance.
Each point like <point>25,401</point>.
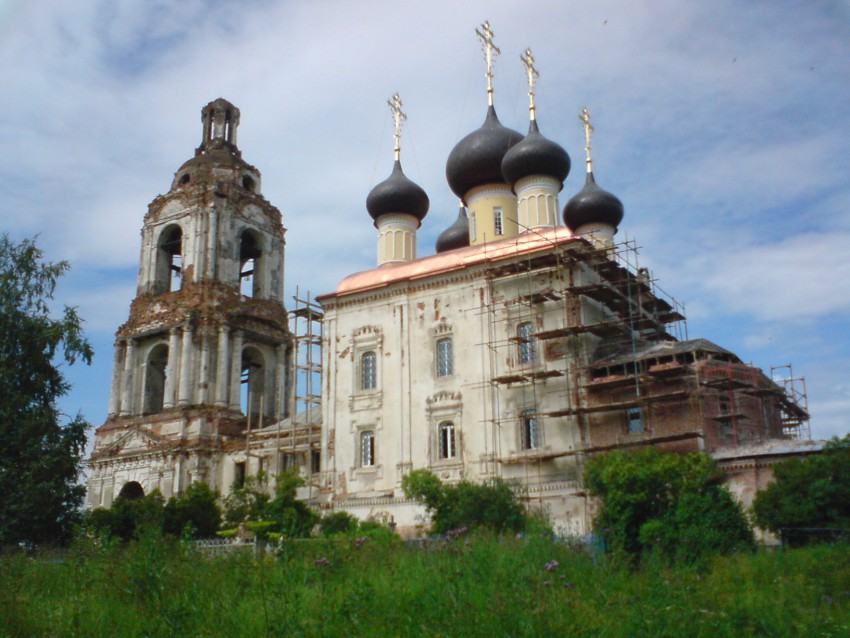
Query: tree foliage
<point>40,457</point>
<point>493,505</point>
<point>811,492</point>
<point>674,504</point>
<point>127,518</point>
<point>282,513</point>
<point>195,513</point>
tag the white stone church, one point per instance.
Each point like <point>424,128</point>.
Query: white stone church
<point>529,342</point>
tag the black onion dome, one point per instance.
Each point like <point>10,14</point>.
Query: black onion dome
<point>477,158</point>
<point>456,235</point>
<point>592,205</point>
<point>535,155</point>
<point>397,194</point>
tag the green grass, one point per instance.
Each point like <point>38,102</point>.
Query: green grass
<point>482,586</point>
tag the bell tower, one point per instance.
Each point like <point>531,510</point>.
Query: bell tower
<point>206,352</point>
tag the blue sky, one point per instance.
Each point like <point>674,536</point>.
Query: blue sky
<point>722,126</point>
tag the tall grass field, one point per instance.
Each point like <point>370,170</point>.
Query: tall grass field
<point>470,586</point>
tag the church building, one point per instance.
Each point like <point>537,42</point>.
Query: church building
<point>529,342</point>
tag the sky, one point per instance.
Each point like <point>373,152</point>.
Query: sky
<point>722,126</point>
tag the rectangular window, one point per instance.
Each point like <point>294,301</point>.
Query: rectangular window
<point>445,357</point>
<point>367,448</point>
<point>448,445</point>
<point>526,343</point>
<point>472,227</point>
<point>497,220</point>
<point>315,461</point>
<point>239,474</point>
<point>635,419</point>
<point>287,462</point>
<point>368,371</point>
<point>530,431</point>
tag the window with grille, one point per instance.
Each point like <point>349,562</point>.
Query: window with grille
<point>635,419</point>
<point>445,357</point>
<point>367,448</point>
<point>497,221</point>
<point>530,431</point>
<point>448,440</point>
<point>526,343</point>
<point>368,371</point>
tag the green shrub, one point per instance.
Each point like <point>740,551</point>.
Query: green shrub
<point>492,505</point>
<point>194,513</point>
<point>127,518</point>
<point>670,503</point>
<point>812,492</point>
<point>338,523</point>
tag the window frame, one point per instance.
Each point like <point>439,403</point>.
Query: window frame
<point>526,343</point>
<point>445,356</point>
<point>498,221</point>
<point>366,455</point>
<point>447,441</point>
<point>368,374</point>
<point>634,415</point>
<point>530,435</point>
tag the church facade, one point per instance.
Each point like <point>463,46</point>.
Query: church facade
<point>528,343</point>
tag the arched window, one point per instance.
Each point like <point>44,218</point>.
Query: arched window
<point>253,383</point>
<point>155,379</point>
<point>445,357</point>
<point>169,260</point>
<point>448,440</point>
<point>526,343</point>
<point>367,448</point>
<point>529,431</point>
<point>368,371</point>
<point>132,491</point>
<point>250,262</point>
<point>248,183</point>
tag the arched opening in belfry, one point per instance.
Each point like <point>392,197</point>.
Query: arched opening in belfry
<point>169,260</point>
<point>253,384</point>
<point>250,264</point>
<point>132,491</point>
<point>248,183</point>
<point>154,388</point>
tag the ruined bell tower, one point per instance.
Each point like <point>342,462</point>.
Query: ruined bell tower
<point>206,352</point>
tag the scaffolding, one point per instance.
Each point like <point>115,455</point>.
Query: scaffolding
<point>794,408</point>
<point>608,306</point>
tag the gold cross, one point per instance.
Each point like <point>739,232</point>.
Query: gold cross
<point>490,53</point>
<point>398,119</point>
<point>588,130</point>
<point>528,61</point>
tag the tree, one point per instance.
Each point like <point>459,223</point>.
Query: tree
<point>810,492</point>
<point>195,512</point>
<point>675,504</point>
<point>40,457</point>
<point>493,504</point>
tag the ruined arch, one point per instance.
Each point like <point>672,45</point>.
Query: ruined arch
<point>154,380</point>
<point>168,274</point>
<point>251,263</point>
<point>132,491</point>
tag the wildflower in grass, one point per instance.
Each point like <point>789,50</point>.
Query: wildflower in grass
<point>452,534</point>
<point>359,541</point>
<point>546,583</point>
<point>323,561</point>
<point>552,565</point>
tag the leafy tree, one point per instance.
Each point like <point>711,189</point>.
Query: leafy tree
<point>128,517</point>
<point>250,503</point>
<point>493,504</point>
<point>40,457</point>
<point>195,512</point>
<point>675,504</point>
<point>810,492</point>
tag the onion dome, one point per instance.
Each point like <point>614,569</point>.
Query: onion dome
<point>535,155</point>
<point>397,194</point>
<point>456,235</point>
<point>592,205</point>
<point>477,158</point>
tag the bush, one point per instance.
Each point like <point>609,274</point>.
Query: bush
<point>493,505</point>
<point>338,523</point>
<point>670,503</point>
<point>194,513</point>
<point>811,492</point>
<point>126,518</point>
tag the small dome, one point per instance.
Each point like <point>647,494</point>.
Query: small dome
<point>477,158</point>
<point>535,155</point>
<point>592,205</point>
<point>456,235</point>
<point>397,194</point>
